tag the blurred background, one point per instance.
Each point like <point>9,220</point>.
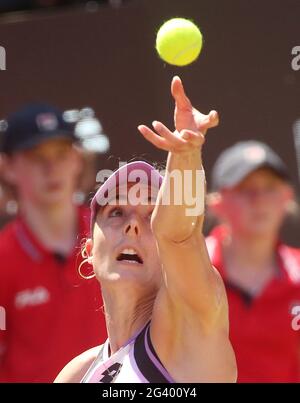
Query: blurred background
<point>97,59</point>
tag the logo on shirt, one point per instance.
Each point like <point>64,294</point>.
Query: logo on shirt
<point>110,373</point>
<point>37,296</point>
<point>295,311</point>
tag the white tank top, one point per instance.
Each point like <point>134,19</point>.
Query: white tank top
<point>135,362</point>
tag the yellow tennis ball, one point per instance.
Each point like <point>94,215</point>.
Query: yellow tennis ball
<point>179,41</point>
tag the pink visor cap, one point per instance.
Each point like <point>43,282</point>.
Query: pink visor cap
<point>136,172</point>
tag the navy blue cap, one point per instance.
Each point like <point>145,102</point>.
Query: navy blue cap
<point>32,125</point>
<point>243,158</point>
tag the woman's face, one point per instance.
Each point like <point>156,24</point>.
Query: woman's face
<point>123,247</point>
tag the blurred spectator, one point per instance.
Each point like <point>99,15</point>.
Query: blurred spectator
<point>92,144</point>
<point>261,274</point>
<point>52,314</point>
<point>8,204</point>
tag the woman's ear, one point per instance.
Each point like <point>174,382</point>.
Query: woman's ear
<point>89,249</point>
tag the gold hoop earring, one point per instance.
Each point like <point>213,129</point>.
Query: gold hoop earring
<point>79,270</point>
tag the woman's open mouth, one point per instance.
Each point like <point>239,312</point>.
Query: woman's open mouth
<point>129,255</point>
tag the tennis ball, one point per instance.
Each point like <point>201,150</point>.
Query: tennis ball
<point>179,41</point>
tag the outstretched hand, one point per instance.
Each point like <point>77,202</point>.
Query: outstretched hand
<point>191,125</point>
<point>187,117</point>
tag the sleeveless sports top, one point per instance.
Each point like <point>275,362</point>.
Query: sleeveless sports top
<point>135,362</point>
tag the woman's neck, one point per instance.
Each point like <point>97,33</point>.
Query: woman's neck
<point>125,314</point>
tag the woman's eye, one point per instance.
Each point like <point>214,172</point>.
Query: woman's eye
<point>115,212</point>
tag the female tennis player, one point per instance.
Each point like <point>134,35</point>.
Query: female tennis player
<point>165,305</point>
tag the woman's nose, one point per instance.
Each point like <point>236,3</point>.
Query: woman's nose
<point>132,227</point>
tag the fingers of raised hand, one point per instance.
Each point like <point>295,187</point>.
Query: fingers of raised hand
<point>164,139</point>
<point>177,90</point>
<point>205,122</point>
<point>152,137</point>
<point>213,117</point>
<point>196,139</point>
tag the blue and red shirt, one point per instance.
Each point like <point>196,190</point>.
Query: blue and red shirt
<point>51,313</point>
<point>266,344</point>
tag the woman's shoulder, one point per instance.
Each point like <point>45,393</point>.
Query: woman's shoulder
<point>74,371</point>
